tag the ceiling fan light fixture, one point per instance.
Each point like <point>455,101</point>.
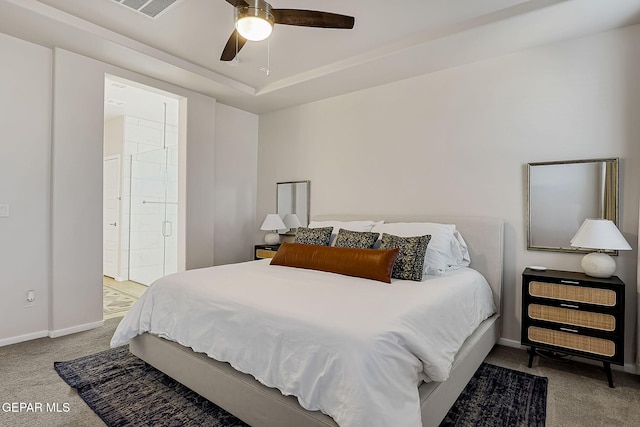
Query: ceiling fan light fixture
<point>254,22</point>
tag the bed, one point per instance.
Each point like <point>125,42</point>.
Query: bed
<point>258,405</point>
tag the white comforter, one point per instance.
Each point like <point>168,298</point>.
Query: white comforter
<point>352,348</point>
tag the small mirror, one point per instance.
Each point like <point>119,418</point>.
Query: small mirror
<point>293,198</point>
<point>563,194</point>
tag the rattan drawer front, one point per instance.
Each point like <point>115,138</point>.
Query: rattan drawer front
<point>604,297</point>
<point>572,341</point>
<point>603,322</point>
<point>263,253</point>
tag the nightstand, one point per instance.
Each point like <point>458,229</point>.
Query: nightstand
<point>265,251</point>
<point>575,314</point>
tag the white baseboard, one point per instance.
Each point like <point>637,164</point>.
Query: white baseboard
<point>51,334</point>
<point>510,343</point>
<point>23,338</point>
<point>74,329</point>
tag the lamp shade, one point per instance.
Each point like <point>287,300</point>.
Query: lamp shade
<point>599,234</point>
<point>272,222</point>
<point>291,221</point>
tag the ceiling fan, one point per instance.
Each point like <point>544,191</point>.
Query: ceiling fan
<point>255,20</point>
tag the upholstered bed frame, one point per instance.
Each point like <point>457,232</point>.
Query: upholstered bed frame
<point>260,406</point>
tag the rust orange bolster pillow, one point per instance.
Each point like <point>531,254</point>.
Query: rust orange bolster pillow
<point>366,263</point>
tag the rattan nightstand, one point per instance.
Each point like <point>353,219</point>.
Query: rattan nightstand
<point>572,313</point>
<point>265,251</point>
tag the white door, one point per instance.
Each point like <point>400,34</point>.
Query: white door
<point>110,216</point>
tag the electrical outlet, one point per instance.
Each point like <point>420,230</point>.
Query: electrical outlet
<point>4,211</point>
<point>30,299</point>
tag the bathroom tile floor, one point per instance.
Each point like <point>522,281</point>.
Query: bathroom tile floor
<point>118,297</point>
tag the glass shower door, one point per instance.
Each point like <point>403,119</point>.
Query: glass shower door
<point>153,243</point>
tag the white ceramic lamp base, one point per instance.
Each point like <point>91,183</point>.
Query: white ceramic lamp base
<point>598,264</point>
<point>271,238</point>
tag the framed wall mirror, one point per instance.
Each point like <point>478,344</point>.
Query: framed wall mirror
<point>293,197</point>
<point>563,194</point>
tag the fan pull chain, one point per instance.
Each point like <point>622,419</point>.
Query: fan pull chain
<point>235,58</point>
<point>267,69</point>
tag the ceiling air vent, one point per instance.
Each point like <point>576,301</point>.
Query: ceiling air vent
<point>149,8</point>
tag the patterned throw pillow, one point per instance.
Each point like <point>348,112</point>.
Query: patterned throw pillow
<point>356,239</point>
<point>314,236</point>
<point>410,261</point>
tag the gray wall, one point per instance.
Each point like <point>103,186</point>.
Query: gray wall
<point>25,117</point>
<point>236,170</point>
<point>51,175</point>
<point>458,141</point>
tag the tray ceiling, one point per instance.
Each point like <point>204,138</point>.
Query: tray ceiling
<point>391,40</point>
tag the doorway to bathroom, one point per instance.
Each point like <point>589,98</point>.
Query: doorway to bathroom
<point>140,205</point>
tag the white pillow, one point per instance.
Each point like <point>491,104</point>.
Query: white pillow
<point>444,251</point>
<point>464,259</point>
<point>347,225</point>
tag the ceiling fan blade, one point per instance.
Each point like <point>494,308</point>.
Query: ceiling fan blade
<point>236,3</point>
<point>230,49</point>
<point>312,18</point>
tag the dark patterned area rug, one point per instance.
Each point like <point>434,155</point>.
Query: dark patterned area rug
<point>125,391</point>
<point>498,396</point>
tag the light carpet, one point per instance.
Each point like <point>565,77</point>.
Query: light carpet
<point>577,394</point>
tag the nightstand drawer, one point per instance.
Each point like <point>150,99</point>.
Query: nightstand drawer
<point>585,319</point>
<point>570,341</point>
<point>265,253</point>
<point>579,294</point>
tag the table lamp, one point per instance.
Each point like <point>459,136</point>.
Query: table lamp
<point>272,223</point>
<point>291,221</point>
<point>599,234</point>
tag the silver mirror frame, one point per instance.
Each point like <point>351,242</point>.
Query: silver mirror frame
<point>613,185</point>
<point>305,218</point>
